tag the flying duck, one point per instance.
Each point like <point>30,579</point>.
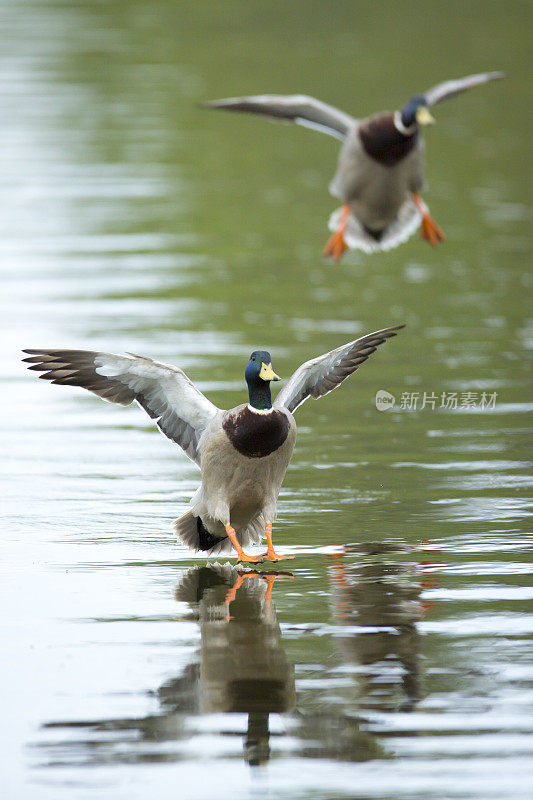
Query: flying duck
<point>243,453</point>
<point>380,172</point>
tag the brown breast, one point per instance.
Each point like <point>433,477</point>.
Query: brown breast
<point>256,435</point>
<point>383,142</point>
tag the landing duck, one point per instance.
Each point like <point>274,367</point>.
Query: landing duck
<point>243,453</point>
<point>380,172</point>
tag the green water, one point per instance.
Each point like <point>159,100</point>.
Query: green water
<point>396,661</point>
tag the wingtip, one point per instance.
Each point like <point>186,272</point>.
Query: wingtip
<point>394,328</point>
<point>215,103</point>
<point>385,333</point>
<point>31,353</point>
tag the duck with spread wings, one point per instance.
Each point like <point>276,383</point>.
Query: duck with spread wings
<point>380,172</point>
<point>243,453</point>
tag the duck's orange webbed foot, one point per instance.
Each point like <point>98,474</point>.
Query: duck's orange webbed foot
<point>336,245</point>
<point>429,229</point>
<point>232,536</point>
<point>271,554</point>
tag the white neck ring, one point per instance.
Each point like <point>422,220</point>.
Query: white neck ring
<point>260,410</point>
<point>398,124</point>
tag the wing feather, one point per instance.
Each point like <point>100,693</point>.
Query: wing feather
<point>165,392</point>
<point>298,108</point>
<point>321,375</point>
<point>443,91</point>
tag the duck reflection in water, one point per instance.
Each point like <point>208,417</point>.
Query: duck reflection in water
<point>378,601</point>
<point>243,667</point>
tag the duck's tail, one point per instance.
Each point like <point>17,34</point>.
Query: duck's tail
<point>358,237</point>
<point>193,533</point>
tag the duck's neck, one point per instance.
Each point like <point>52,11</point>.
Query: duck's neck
<point>259,396</point>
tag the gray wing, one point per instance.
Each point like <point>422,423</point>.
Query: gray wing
<point>443,91</point>
<point>298,108</point>
<point>181,411</point>
<point>323,374</point>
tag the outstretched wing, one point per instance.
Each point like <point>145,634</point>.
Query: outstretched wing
<point>443,91</point>
<point>298,108</point>
<point>182,412</point>
<point>323,374</point>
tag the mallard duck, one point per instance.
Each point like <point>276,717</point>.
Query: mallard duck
<point>380,172</point>
<point>243,453</point>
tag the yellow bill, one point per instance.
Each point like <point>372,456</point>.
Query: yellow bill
<point>423,117</point>
<point>267,373</point>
